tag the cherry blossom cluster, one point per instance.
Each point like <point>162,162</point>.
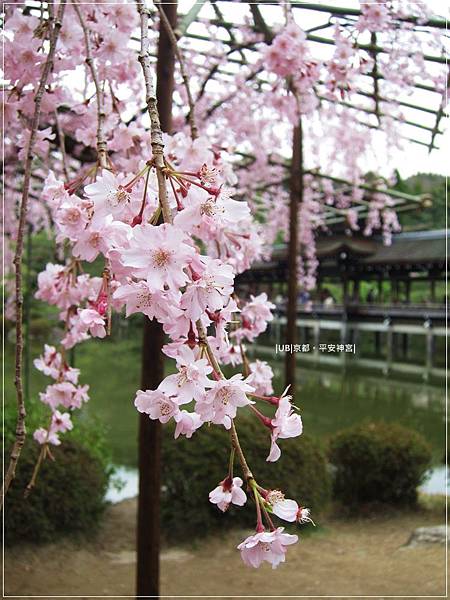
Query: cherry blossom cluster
<point>382,216</point>
<point>180,273</point>
<point>263,546</point>
<point>82,302</point>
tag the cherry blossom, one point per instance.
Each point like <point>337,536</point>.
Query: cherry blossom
<point>285,424</point>
<point>191,381</point>
<point>266,546</point>
<point>229,491</point>
<point>42,436</point>
<point>187,423</point>
<point>260,377</point>
<point>156,404</point>
<point>284,508</point>
<point>92,322</point>
<point>160,254</point>
<point>50,362</point>
<point>255,315</point>
<point>65,394</point>
<point>208,291</point>
<point>219,405</point>
<point>140,297</point>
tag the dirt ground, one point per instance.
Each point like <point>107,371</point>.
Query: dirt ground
<point>366,557</point>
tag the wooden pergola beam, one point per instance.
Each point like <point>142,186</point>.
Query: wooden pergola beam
<point>435,22</point>
<point>186,20</point>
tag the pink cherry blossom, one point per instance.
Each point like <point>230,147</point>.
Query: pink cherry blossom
<point>80,396</point>
<point>156,404</point>
<point>61,422</point>
<point>260,377</point>
<point>50,363</point>
<point>229,491</point>
<point>160,254</point>
<point>72,217</point>
<point>208,291</point>
<point>101,238</point>
<point>284,508</point>
<point>285,424</point>
<point>92,322</point>
<point>141,297</point>
<point>266,546</point>
<point>187,423</point>
<point>43,436</point>
<point>255,315</point>
<point>191,381</point>
<point>110,196</point>
<point>221,402</point>
<point>59,393</point>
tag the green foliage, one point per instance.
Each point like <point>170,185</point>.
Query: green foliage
<point>69,492</point>
<point>379,463</point>
<point>192,468</point>
<point>68,497</point>
<point>432,217</point>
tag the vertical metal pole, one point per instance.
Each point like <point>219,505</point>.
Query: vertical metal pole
<point>148,519</point>
<point>296,198</point>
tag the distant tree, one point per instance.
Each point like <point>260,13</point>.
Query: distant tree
<point>432,217</point>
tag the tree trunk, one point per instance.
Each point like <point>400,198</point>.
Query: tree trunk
<point>295,200</point>
<point>148,520</point>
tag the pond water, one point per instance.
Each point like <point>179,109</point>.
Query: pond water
<point>329,401</point>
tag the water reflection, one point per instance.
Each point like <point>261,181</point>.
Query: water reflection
<point>331,401</point>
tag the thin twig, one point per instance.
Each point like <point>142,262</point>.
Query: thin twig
<point>174,42</point>
<point>156,137</point>
<point>101,115</point>
<point>62,146</point>
<point>54,28</point>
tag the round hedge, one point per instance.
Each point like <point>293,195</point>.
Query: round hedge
<point>379,463</point>
<point>68,497</point>
<point>192,468</point>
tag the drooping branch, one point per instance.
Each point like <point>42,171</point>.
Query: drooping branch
<point>54,29</point>
<point>156,136</point>
<point>158,157</point>
<point>102,155</point>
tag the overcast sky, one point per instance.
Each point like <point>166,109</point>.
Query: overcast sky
<point>414,158</point>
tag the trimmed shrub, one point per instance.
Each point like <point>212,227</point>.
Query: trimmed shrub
<point>379,463</point>
<point>68,497</point>
<point>192,468</point>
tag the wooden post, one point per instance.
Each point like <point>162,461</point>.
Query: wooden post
<point>296,198</point>
<point>344,289</point>
<point>380,290</point>
<point>429,351</point>
<point>433,291</point>
<point>148,518</point>
<point>389,347</point>
<point>408,291</point>
<point>356,287</point>
<point>316,340</point>
<point>377,343</point>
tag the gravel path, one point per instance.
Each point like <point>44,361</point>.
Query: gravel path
<point>345,558</point>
